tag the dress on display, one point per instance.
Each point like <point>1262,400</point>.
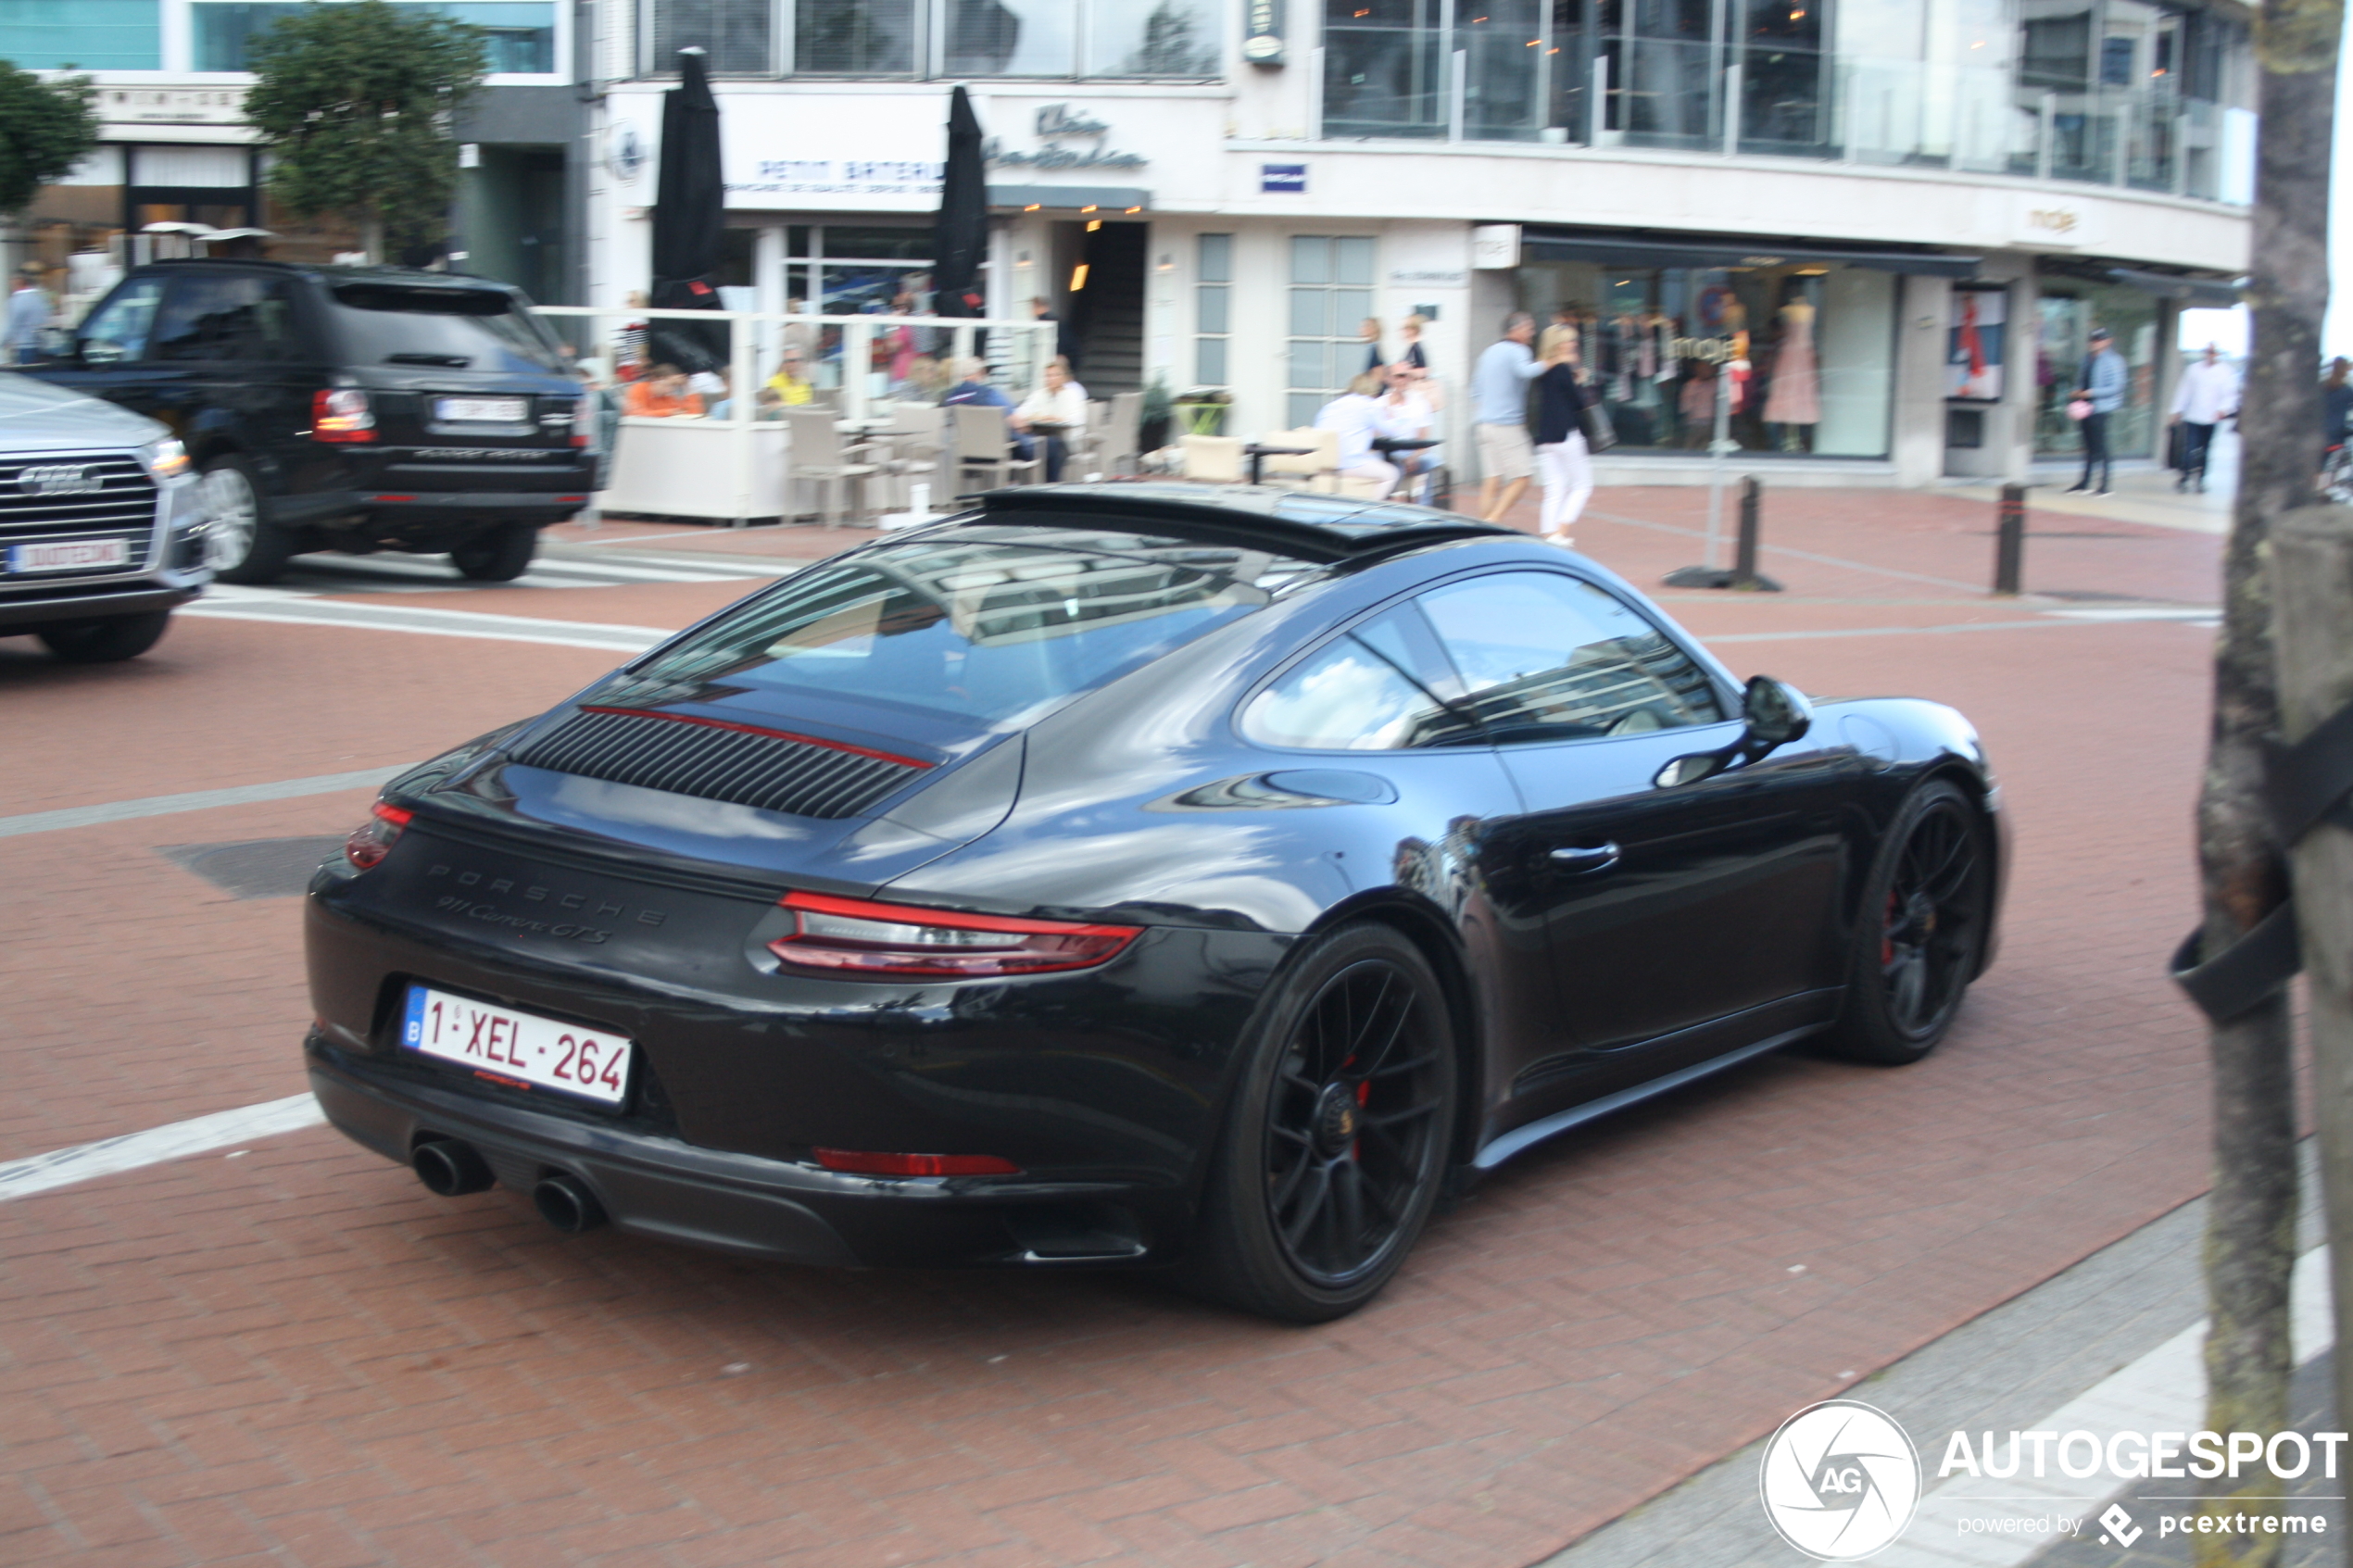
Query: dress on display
<point>1796,395</point>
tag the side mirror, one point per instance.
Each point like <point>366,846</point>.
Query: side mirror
<point>1777,713</point>
<point>1773,713</point>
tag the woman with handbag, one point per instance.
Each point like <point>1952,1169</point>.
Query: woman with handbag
<point>1565,414</point>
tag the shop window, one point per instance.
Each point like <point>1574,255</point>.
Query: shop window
<point>857,270</point>
<point>82,34</point>
<point>1212,310</point>
<point>1331,294</point>
<point>520,35</point>
<point>1800,355</point>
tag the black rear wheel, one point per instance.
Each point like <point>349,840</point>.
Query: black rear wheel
<point>1922,929</point>
<point>107,642</point>
<point>241,545</point>
<point>1335,1137</point>
<point>500,554</point>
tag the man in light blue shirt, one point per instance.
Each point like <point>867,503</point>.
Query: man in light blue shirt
<point>1499,416</point>
<point>28,313</point>
<point>2103,379</point>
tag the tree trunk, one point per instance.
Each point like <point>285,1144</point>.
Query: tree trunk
<point>2313,585</point>
<point>2251,1218</point>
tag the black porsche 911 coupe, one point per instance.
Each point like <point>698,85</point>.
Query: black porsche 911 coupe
<point>1132,874</point>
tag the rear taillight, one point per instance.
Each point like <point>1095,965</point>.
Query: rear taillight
<point>374,839</point>
<point>342,413</point>
<point>861,1162</point>
<point>855,936</point>
<point>583,423</point>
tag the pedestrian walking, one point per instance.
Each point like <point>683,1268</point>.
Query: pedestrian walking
<point>1563,461</point>
<point>2099,392</point>
<point>1499,410</point>
<point>1369,339</point>
<point>1412,354</point>
<point>2208,395</point>
<point>29,311</point>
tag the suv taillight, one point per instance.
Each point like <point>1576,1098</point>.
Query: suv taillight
<point>583,423</point>
<point>342,414</point>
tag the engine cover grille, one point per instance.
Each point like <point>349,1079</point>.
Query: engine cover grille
<point>714,760</point>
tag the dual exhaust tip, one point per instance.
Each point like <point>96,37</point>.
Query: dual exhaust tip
<point>450,1169</point>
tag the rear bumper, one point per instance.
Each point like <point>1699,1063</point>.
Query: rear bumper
<point>670,1190</point>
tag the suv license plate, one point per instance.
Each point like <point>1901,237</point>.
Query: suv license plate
<point>517,1048</point>
<point>482,411</point>
<point>68,555</point>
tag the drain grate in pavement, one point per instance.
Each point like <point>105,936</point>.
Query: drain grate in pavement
<point>259,868</point>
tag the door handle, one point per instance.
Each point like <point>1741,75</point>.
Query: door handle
<point>1579,859</point>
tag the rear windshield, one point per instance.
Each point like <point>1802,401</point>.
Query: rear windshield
<point>444,329</point>
<point>987,624</point>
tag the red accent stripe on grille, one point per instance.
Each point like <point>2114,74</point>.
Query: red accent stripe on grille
<point>760,730</point>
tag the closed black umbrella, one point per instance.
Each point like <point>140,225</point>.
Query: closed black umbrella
<point>690,212</point>
<point>959,235</point>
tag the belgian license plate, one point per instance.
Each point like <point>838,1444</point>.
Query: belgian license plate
<point>517,1048</point>
<point>481,410</point>
<point>68,555</point>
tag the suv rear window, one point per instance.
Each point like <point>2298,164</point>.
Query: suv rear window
<point>990,624</point>
<point>444,329</point>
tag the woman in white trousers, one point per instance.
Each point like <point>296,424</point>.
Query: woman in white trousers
<point>1564,466</point>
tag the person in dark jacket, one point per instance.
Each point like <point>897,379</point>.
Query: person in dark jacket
<point>1564,464</point>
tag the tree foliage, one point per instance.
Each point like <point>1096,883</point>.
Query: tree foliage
<point>355,100</point>
<point>46,127</point>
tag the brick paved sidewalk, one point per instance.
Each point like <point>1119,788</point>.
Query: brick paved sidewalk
<point>297,1356</point>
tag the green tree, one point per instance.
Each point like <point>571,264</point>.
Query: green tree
<point>355,100</point>
<point>46,127</point>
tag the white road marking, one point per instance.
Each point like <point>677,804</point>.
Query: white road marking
<point>421,621</point>
<point>193,800</point>
<point>198,1134</point>
<point>2202,615</point>
<point>2163,1391</point>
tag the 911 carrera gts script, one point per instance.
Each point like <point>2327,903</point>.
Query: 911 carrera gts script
<point>492,915</point>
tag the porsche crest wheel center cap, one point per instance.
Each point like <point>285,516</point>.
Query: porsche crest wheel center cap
<point>1338,1118</point>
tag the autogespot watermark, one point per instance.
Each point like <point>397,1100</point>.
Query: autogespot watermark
<point>1841,1481</point>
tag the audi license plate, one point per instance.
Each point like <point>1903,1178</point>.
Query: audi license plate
<point>521,1050</point>
<point>68,555</point>
<point>482,411</point>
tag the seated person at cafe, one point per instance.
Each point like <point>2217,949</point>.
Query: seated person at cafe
<point>791,381</point>
<point>768,403</point>
<point>972,385</point>
<point>661,394</point>
<point>1357,416</point>
<point>1059,401</point>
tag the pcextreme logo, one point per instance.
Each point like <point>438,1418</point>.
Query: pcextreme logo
<point>1840,1480</point>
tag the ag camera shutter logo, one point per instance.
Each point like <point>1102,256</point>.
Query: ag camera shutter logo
<point>1840,1480</point>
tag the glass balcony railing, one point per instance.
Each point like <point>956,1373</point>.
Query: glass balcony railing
<point>1384,83</point>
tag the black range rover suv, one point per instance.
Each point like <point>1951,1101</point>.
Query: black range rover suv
<point>352,408</point>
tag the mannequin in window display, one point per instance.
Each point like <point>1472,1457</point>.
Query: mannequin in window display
<point>1794,399</point>
<point>1697,403</point>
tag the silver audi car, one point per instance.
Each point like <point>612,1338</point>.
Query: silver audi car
<point>102,523</point>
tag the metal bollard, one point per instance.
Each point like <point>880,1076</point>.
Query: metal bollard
<point>1745,556</point>
<point>2009,545</point>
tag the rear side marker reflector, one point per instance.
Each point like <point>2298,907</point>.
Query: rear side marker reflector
<point>374,839</point>
<point>858,937</point>
<point>857,1162</point>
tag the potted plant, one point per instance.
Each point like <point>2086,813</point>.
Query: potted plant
<point>1202,411</point>
<point>1152,425</point>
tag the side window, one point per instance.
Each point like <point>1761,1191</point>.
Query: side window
<point>119,331</point>
<point>1545,657</point>
<point>1367,690</point>
<point>225,317</point>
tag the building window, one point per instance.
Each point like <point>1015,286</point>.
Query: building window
<point>1331,294</point>
<point>82,34</point>
<point>520,35</point>
<point>1801,354</point>
<point>956,40</point>
<point>736,35</point>
<point>861,270</point>
<point>1212,317</point>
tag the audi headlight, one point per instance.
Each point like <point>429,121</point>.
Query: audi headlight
<point>166,460</point>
